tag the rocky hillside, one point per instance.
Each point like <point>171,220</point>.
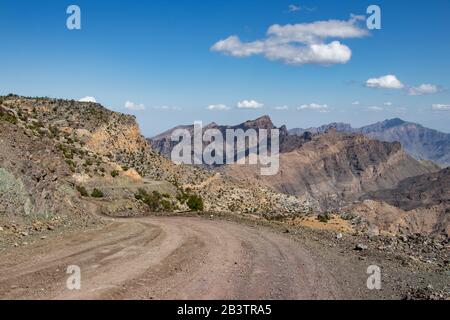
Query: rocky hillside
<point>36,187</point>
<point>65,159</point>
<point>417,205</point>
<point>420,142</point>
<point>335,168</point>
<point>416,192</point>
<point>322,165</point>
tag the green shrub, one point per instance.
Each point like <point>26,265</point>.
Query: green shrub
<point>151,200</point>
<point>71,163</point>
<point>182,197</point>
<point>97,193</point>
<point>82,190</point>
<point>54,132</point>
<point>155,201</point>
<point>68,153</point>
<point>114,173</point>
<point>195,202</point>
<point>324,217</point>
<point>166,205</point>
<point>36,125</point>
<point>8,117</point>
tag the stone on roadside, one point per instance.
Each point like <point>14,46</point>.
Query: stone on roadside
<point>361,247</point>
<point>373,231</point>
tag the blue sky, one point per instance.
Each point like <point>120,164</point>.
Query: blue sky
<point>157,54</point>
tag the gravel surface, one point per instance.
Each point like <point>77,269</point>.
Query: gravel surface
<point>209,258</point>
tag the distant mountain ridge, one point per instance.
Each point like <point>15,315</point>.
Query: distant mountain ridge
<point>336,168</point>
<point>324,165</point>
<point>163,144</point>
<point>420,142</point>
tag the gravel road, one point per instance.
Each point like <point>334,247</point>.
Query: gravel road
<point>168,258</point>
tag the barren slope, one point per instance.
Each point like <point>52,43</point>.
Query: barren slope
<point>335,168</point>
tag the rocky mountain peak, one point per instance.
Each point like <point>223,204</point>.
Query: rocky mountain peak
<point>263,122</point>
<point>393,122</point>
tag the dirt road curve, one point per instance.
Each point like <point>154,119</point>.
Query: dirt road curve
<point>169,258</point>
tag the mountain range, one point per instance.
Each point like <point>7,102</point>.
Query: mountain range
<point>332,165</point>
<point>420,142</point>
<point>60,155</point>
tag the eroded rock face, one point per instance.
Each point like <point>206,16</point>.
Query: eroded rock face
<point>394,221</point>
<point>417,192</point>
<point>418,204</point>
<point>420,142</point>
<point>35,182</point>
<point>336,168</point>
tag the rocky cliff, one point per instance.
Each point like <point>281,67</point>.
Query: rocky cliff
<point>420,142</point>
<point>335,168</point>
<point>416,205</point>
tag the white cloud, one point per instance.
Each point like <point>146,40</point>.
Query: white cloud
<point>299,44</point>
<point>314,106</point>
<point>388,104</point>
<point>220,107</point>
<point>294,8</point>
<point>318,31</point>
<point>356,103</point>
<point>391,82</point>
<point>375,108</point>
<point>133,106</point>
<point>441,107</point>
<point>423,89</point>
<point>249,104</point>
<point>88,99</point>
<point>167,108</point>
<point>281,108</point>
<point>385,82</point>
